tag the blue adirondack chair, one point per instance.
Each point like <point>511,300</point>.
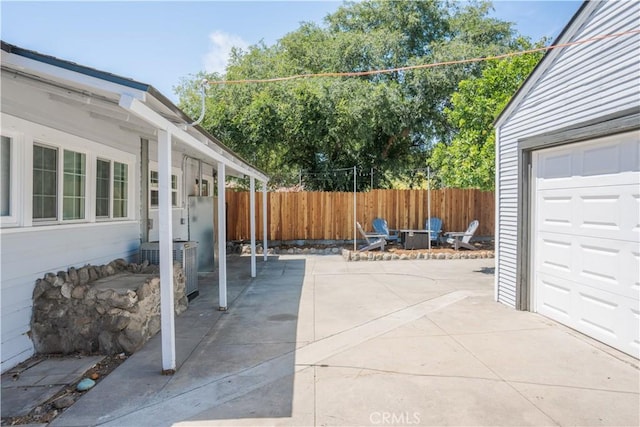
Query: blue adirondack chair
<point>381,227</point>
<point>436,229</point>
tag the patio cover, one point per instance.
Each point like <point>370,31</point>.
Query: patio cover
<point>140,107</point>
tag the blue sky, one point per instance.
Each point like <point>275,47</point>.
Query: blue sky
<point>162,42</point>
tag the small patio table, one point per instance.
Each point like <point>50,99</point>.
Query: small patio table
<point>415,239</point>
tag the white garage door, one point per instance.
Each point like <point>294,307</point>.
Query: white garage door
<point>586,237</point>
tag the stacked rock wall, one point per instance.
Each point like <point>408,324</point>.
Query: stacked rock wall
<point>72,314</point>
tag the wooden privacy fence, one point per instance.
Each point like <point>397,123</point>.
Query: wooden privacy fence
<point>329,216</point>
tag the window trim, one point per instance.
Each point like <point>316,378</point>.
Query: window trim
<point>58,211</point>
<point>127,199</point>
<point>16,144</point>
<point>25,134</point>
<point>109,192</point>
<point>153,167</point>
<point>62,196</point>
<point>111,196</point>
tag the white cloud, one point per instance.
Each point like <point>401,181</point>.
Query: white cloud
<point>217,58</point>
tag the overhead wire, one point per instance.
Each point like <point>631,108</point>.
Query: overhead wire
<point>425,66</point>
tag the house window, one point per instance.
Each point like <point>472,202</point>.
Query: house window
<point>104,183</point>
<point>103,188</point>
<point>174,190</point>
<point>205,187</point>
<point>45,183</point>
<point>120,187</point>
<point>153,186</point>
<point>74,185</point>
<point>5,177</point>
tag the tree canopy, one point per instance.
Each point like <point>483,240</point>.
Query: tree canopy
<point>390,122</point>
<point>468,160</point>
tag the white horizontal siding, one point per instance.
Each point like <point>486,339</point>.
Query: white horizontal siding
<point>583,83</point>
<point>29,253</point>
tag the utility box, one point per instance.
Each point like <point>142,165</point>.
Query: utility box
<point>185,253</point>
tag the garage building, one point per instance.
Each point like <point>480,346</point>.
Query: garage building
<point>568,180</point>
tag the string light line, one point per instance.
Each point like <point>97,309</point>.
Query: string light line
<point>425,66</point>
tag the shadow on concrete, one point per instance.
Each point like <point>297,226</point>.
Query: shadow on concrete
<point>486,270</point>
<point>221,357</point>
<point>250,354</point>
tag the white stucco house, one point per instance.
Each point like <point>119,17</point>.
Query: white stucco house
<point>93,165</point>
<point>568,180</point>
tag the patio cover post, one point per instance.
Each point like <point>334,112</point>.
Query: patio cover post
<point>264,220</point>
<point>252,223</point>
<point>429,206</point>
<point>222,239</point>
<point>166,253</point>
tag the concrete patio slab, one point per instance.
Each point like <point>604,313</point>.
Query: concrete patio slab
<point>552,357</point>
<point>315,340</point>
<point>349,397</point>
<point>582,407</point>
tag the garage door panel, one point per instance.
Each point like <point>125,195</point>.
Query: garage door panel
<point>584,165</point>
<point>556,211</point>
<point>608,267</point>
<point>636,206</point>
<point>601,160</point>
<point>610,212</point>
<point>601,315</point>
<point>599,212</point>
<point>633,338</point>
<point>586,236</point>
<point>592,311</point>
<point>554,299</point>
<point>596,265</point>
<point>556,254</point>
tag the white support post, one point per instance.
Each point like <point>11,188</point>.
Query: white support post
<point>166,253</point>
<point>222,238</point>
<point>264,220</point>
<point>429,206</point>
<point>355,233</point>
<point>252,223</point>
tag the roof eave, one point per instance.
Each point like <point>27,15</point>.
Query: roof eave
<point>568,31</point>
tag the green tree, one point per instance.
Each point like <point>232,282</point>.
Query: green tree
<point>383,121</point>
<point>468,160</point>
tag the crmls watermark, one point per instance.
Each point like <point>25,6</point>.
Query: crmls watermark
<point>387,418</point>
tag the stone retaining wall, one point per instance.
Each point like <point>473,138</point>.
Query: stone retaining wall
<point>387,256</point>
<point>78,311</point>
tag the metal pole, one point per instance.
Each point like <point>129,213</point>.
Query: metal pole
<point>354,209</point>
<point>252,223</point>
<point>265,245</point>
<point>372,178</point>
<point>429,205</point>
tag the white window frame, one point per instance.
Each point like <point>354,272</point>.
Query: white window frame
<point>177,172</point>
<point>59,184</point>
<point>110,192</point>
<point>16,143</point>
<point>22,133</point>
<point>211,185</point>
<point>112,164</point>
